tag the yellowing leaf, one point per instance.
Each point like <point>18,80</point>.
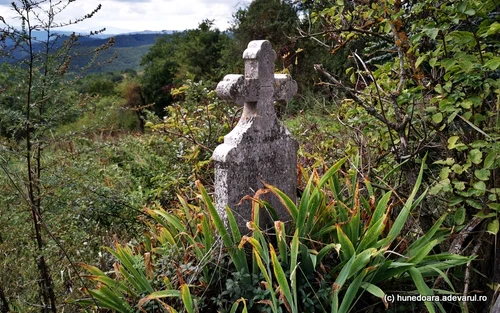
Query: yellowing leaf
<point>493,227</point>
<point>452,142</point>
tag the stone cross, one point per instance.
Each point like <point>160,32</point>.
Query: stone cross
<point>259,148</point>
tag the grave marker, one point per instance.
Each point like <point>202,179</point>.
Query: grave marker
<point>259,148</point>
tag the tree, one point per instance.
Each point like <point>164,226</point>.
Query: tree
<point>159,73</point>
<point>425,82</point>
<point>193,54</point>
<point>35,99</point>
<point>134,100</point>
<point>273,20</point>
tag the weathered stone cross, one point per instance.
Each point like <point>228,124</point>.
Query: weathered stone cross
<point>259,148</point>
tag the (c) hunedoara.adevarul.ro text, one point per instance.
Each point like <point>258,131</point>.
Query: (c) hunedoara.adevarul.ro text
<point>391,298</point>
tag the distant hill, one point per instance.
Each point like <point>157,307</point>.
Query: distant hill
<point>129,49</point>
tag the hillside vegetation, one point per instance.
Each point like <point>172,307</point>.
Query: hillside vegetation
<point>106,180</point>
<point>125,52</point>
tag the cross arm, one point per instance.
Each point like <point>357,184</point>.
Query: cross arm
<point>235,88</point>
<point>284,87</point>
<point>231,88</point>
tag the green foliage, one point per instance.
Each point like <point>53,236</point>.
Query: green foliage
<point>100,84</point>
<point>340,245</point>
<point>269,20</point>
<point>195,124</point>
<point>436,92</point>
<point>192,54</point>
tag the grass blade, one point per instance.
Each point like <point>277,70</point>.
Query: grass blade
<point>346,246</point>
<point>279,273</point>
<point>330,172</point>
<point>187,299</point>
<point>238,256</point>
<point>285,200</point>
<point>294,251</point>
<point>235,230</point>
<point>422,287</point>
<point>159,295</point>
<point>422,252</point>
<point>281,239</point>
<point>403,215</point>
<point>351,292</point>
<point>428,235</point>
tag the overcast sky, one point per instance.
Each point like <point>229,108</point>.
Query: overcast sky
<point>136,15</point>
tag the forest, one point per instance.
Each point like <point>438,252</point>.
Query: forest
<point>106,177</point>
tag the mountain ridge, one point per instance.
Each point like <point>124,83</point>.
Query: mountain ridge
<point>129,47</point>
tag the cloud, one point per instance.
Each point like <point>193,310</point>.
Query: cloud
<point>137,15</point>
<point>126,1</point>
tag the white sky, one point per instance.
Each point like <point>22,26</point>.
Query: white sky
<point>119,16</point>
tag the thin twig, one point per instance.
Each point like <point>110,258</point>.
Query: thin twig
<point>467,272</point>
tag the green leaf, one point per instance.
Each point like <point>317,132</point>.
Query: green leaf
<point>437,118</point>
<point>459,185</point>
<point>489,161</point>
<point>452,142</point>
<point>106,298</point>
<point>420,59</point>
<point>474,204</point>
<point>448,161</point>
<point>361,261</point>
<point>233,225</point>
<point>331,171</point>
<point>371,235</point>
<point>285,200</point>
<point>493,227</point>
<point>476,156</point>
<point>344,273</point>
<point>470,12</point>
<point>408,206</point>
<point>422,287</point>
<point>186,298</point>
<point>428,235</point>
<point>456,168</point>
<point>444,173</point>
<point>494,206</point>
<point>351,292</point>
<point>432,32</point>
<point>346,246</point>
<point>483,215</point>
<point>433,62</point>
<point>448,65</point>
<point>381,208</point>
<point>420,253</point>
<point>236,304</point>
<point>281,278</point>
<point>238,256</point>
<point>481,186</point>
<point>294,252</point>
<point>482,174</point>
<point>374,290</point>
<point>494,28</point>
<point>459,216</point>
